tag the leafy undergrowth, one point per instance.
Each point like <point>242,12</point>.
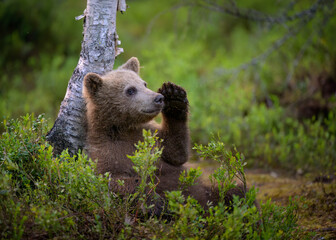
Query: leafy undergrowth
<point>315,197</point>
<point>316,203</point>
<point>43,197</point>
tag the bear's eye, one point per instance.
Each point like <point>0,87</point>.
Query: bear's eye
<point>145,84</point>
<point>131,91</point>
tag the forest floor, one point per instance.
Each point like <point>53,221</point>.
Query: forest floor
<point>316,197</point>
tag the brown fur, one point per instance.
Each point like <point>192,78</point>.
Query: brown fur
<point>115,122</point>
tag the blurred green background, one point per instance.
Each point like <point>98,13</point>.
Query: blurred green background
<point>261,78</point>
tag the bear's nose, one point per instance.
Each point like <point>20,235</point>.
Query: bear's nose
<point>159,99</point>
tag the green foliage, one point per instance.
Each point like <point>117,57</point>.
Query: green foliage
<point>188,177</point>
<point>56,195</point>
<point>37,58</point>
<point>47,88</point>
<point>48,196</point>
<point>269,138</point>
<point>207,52</point>
<point>144,161</point>
<point>243,221</point>
<point>145,158</point>
<point>231,166</point>
<point>274,223</point>
<point>19,144</point>
<point>199,49</point>
<point>30,33</point>
<point>306,146</point>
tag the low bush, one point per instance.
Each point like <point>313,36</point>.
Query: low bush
<point>45,196</point>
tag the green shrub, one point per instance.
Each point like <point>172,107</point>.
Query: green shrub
<point>19,145</point>
<point>58,196</point>
<point>46,196</point>
<point>231,166</point>
<point>308,146</point>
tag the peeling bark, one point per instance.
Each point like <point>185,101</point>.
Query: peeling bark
<point>99,48</point>
<point>122,6</point>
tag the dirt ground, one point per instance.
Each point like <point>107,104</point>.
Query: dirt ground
<point>316,197</point>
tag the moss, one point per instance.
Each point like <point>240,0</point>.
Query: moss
<point>317,201</point>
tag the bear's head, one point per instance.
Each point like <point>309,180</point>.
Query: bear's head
<point>120,97</point>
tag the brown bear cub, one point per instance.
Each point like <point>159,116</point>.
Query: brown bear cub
<point>119,107</point>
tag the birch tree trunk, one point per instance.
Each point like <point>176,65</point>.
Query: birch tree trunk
<point>99,48</point>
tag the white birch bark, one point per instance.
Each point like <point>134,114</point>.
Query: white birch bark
<point>99,48</point>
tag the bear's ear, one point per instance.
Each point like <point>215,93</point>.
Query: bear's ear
<point>132,64</point>
<point>93,83</point>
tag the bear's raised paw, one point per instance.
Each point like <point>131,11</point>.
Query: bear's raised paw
<point>175,100</point>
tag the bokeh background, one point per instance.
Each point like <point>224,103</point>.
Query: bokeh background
<point>260,75</point>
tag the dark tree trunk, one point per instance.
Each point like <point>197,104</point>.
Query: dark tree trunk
<point>99,48</point>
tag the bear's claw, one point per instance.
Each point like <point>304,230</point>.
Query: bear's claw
<point>175,99</point>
